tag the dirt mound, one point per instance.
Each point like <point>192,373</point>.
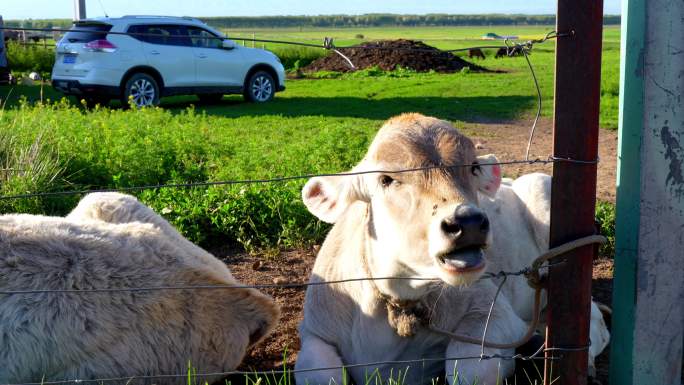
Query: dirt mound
<point>390,54</point>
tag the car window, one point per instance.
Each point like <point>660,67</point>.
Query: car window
<point>202,38</point>
<point>164,34</point>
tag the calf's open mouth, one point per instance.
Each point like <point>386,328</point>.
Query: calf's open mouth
<point>463,260</point>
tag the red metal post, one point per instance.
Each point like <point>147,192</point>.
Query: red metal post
<point>573,198</point>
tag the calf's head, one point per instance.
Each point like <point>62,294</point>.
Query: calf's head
<point>422,223</point>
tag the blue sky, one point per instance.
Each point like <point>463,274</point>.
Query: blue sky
<point>41,9</point>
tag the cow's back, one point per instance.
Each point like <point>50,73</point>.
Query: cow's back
<point>519,222</point>
<point>117,333</point>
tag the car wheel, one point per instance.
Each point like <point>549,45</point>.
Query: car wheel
<point>260,87</point>
<point>142,91</point>
<point>210,98</point>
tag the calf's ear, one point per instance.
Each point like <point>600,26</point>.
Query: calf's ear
<point>328,197</point>
<point>488,175</point>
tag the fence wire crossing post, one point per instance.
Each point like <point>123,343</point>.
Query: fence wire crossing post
<point>573,198</point>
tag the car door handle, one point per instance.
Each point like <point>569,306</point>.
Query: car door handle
<point>154,52</point>
<point>202,56</point>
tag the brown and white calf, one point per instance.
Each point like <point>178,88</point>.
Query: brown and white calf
<point>454,224</point>
<point>417,224</point>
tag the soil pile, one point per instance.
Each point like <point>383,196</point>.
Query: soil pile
<point>390,54</point>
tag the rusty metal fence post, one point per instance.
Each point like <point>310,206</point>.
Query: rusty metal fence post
<point>573,199</point>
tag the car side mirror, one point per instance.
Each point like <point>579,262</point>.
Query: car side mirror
<point>228,44</point>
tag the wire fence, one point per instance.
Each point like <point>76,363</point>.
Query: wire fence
<point>550,159</point>
<point>511,48</point>
<point>284,372</point>
<point>328,42</point>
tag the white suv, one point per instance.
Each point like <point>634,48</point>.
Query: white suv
<point>146,57</point>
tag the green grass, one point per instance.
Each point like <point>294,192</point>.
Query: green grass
<point>517,78</point>
<point>317,125</point>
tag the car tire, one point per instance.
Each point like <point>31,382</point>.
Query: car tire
<point>210,98</point>
<point>260,87</point>
<point>142,89</point>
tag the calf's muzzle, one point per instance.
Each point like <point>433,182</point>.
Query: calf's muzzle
<point>467,227</point>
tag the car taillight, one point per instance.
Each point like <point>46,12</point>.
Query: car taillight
<point>100,45</point>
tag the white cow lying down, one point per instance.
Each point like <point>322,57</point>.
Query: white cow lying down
<point>113,241</point>
<point>520,216</point>
<point>433,223</point>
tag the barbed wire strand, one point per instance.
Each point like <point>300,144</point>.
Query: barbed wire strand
<point>550,35</point>
<point>534,356</point>
<point>532,273</point>
<point>328,43</point>
<point>550,159</point>
<point>539,105</point>
<point>489,315</point>
<point>294,371</point>
<point>288,285</point>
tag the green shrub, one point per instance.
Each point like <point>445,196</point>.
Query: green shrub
<point>30,58</point>
<point>254,216</point>
<point>109,148</point>
<point>605,214</point>
<point>370,72</point>
<point>299,57</point>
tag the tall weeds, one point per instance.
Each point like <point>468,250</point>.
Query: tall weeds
<point>27,169</point>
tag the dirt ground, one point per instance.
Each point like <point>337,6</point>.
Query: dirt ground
<point>507,141</point>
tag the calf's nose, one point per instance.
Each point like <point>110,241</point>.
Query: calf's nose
<point>468,226</point>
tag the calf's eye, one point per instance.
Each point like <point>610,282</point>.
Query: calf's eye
<point>386,180</point>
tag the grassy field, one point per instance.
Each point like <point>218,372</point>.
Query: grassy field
<point>317,125</point>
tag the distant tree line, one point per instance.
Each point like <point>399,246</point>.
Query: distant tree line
<point>39,23</point>
<point>342,21</point>
<point>386,20</point>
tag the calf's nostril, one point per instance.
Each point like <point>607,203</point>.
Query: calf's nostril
<point>451,227</point>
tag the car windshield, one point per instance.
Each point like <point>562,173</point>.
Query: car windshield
<point>83,33</point>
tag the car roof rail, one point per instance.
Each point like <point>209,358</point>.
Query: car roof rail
<point>161,17</point>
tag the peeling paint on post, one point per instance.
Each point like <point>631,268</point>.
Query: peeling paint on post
<point>648,297</point>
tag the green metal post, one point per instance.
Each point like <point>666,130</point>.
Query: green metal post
<point>628,182</point>
<point>648,294</point>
